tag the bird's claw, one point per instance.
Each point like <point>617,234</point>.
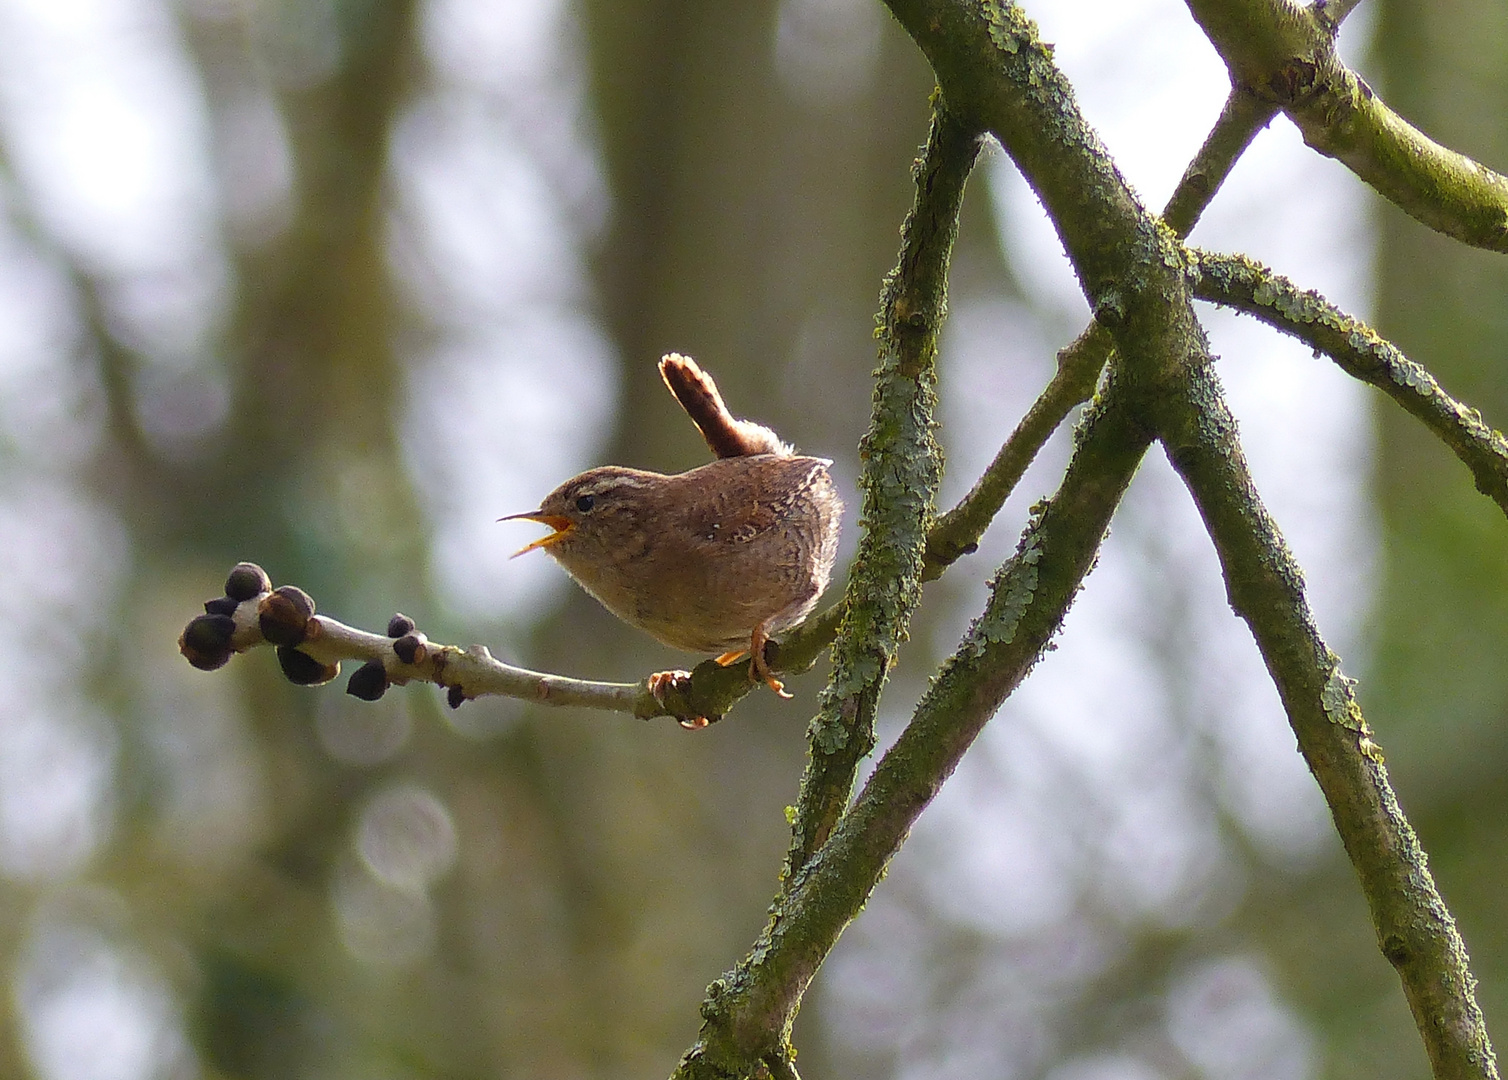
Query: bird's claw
<point>769,680</point>
<point>661,683</point>
<point>760,671</point>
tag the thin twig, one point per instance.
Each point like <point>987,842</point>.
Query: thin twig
<point>406,655</point>
<point>958,531</point>
<point>474,671</point>
<point>1243,116</point>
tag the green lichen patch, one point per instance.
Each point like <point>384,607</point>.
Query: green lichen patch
<point>1338,699</point>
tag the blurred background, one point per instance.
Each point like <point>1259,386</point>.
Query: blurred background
<point>331,285</point>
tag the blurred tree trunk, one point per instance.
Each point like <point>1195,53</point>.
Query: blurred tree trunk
<point>742,231</point>
<point>307,475</point>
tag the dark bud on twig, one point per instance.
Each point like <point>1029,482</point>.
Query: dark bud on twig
<point>368,682</point>
<point>221,605</point>
<point>205,641</point>
<point>410,648</point>
<point>246,581</point>
<point>284,615</point>
<point>454,696</point>
<point>399,625</point>
<point>302,669</point>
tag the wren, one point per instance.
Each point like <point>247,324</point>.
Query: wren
<point>714,560</point>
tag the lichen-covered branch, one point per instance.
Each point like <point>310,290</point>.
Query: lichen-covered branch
<point>898,484</point>
<point>1266,588</point>
<point>1248,286</point>
<point>994,72</point>
<point>1286,54</point>
<point>311,647</point>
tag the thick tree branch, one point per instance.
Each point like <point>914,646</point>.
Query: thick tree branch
<point>994,72</point>
<point>1248,286</point>
<point>1286,55</point>
<point>1266,588</point>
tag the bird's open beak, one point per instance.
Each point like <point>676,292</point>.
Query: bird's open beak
<point>561,525</point>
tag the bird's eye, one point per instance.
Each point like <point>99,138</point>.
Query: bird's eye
<point>585,503</point>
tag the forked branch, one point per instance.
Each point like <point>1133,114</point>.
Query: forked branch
<point>1286,55</point>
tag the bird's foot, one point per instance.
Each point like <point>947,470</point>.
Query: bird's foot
<point>662,682</point>
<point>758,669</point>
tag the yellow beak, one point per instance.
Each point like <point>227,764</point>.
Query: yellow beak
<point>561,525</point>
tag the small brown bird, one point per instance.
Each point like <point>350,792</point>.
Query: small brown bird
<point>716,559</point>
